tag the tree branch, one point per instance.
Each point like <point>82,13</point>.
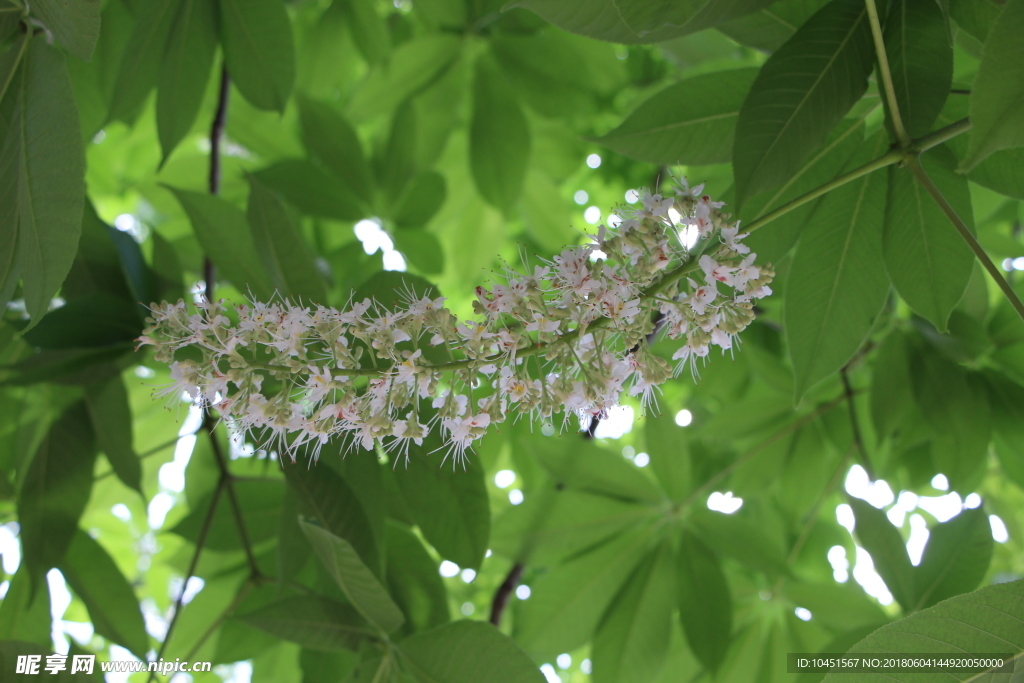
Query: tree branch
<point>504,593</point>
<point>200,542</point>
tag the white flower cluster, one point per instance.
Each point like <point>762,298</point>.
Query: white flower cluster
<point>567,339</point>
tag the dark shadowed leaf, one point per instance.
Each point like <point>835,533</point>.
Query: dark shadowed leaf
<point>705,604</point>
<point>312,190</point>
<point>225,236</point>
<point>111,418</point>
<point>644,16</point>
<point>413,579</point>
<point>879,537</point>
<point>24,613</point>
<point>184,71</point>
<point>259,50</point>
<point>113,608</point>
<point>286,257</point>
<point>55,490</point>
<point>801,92</point>
<point>499,138</point>
<point>769,28</point>
<point>955,559</point>
<point>468,652</point>
<point>42,172</point>
<point>143,57</point>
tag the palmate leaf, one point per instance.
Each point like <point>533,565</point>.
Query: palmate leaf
<point>354,578</point>
<point>690,122</point>
<point>42,173</point>
<point>467,652</point>
<point>800,94</point>
<point>997,116</point>
<point>928,262</point>
<point>985,621</point>
<point>837,283</point>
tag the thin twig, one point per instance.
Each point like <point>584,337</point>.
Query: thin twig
<point>922,176</point>
<point>151,452</point>
<point>858,441</point>
<point>246,587</point>
<point>504,593</point>
<point>200,542</point>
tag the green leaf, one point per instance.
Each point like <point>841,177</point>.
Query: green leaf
<point>330,139</point>
<point>258,50</point>
<point>260,503</point>
<point>499,138</point>
<point>284,253</point>
<point>768,29</point>
<point>737,536</point>
<point>837,605</point>
<point>91,320</point>
<point>920,60</point>
<point>956,407</point>
<point>880,538</point>
<point>96,580</point>
<point>143,56</point>
<point>671,460</point>
<point>956,558</point>
<point>467,652</point>
<point>413,65</point>
<point>24,613</point>
<point>985,621</point>
<point>449,506</point>
<point>928,262</point>
<point>891,397</point>
<point>974,17</point>
<point>316,623</point>
<point>585,467</point>
<point>354,578</point>
<point>773,241</point>
<point>644,16</point>
<point>800,94</point>
<point>566,604</point>
<point>184,71</point>
<point>632,641</point>
<point>596,19</point>
<point>422,249</point>
<point>396,164</point>
<point>326,497</point>
<point>226,238</point>
<point>837,284</point>
<point>42,168</point>
<point>9,61</point>
<point>368,29</point>
<point>690,122</point>
<point>111,418</point>
<point>420,201</point>
<point>413,580</point>
<point>56,490</point>
<point>997,119</point>
<point>313,191</point>
<point>705,604</point>
<point>75,25</point>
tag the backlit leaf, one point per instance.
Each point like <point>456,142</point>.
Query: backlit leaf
<point>259,50</point>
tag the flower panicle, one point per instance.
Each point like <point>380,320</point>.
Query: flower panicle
<point>568,337</point>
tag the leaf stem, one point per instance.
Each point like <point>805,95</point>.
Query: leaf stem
<point>922,177</point>
<point>883,68</point>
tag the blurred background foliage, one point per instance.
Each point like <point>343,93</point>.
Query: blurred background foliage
<point>859,458</point>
